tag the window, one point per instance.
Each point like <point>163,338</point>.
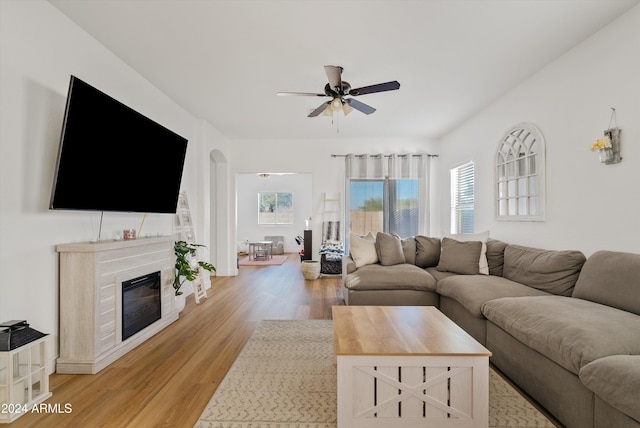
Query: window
<point>520,174</point>
<point>275,208</point>
<point>384,205</point>
<point>462,198</point>
<point>387,193</point>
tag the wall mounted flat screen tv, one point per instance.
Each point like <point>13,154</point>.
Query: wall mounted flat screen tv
<point>112,158</point>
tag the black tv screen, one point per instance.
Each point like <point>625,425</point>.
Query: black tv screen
<point>112,158</point>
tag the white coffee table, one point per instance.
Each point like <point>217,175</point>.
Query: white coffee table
<point>408,366</point>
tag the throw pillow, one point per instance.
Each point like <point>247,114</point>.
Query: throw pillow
<point>389,248</point>
<point>460,257</point>
<point>482,237</point>
<point>427,251</point>
<point>363,249</point>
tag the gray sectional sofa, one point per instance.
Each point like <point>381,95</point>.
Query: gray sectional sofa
<point>564,328</point>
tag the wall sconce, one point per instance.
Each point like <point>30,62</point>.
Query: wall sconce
<point>263,176</point>
<point>608,147</point>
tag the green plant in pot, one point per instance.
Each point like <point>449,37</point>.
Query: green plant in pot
<point>187,266</point>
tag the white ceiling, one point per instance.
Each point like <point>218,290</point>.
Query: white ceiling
<point>224,60</point>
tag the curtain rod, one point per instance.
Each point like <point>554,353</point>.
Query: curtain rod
<point>388,156</point>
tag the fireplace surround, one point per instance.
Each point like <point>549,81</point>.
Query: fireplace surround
<point>92,277</point>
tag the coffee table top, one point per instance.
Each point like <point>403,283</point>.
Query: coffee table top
<point>400,330</point>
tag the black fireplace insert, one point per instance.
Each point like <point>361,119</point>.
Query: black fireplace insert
<point>141,305</point>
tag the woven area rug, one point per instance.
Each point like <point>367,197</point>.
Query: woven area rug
<point>273,261</point>
<point>285,377</point>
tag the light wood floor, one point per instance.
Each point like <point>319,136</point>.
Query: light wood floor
<point>168,380</point>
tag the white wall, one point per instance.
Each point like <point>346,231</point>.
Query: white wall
<point>249,185</point>
<point>314,157</point>
<point>590,206</point>
<point>39,49</point>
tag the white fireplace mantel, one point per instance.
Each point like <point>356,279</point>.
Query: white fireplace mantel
<point>91,276</point>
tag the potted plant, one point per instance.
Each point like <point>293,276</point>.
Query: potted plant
<point>187,266</point>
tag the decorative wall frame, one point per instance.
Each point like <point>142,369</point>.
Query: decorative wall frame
<point>520,174</point>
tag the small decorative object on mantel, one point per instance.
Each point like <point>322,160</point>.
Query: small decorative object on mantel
<point>129,234</point>
<point>608,147</point>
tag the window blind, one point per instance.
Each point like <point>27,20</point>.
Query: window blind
<point>462,198</point>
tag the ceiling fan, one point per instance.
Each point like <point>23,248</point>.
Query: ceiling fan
<point>338,89</point>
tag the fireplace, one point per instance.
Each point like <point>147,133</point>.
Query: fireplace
<point>141,305</point>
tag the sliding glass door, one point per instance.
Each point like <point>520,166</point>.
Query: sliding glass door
<point>384,205</point>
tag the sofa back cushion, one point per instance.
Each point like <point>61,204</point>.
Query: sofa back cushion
<point>555,272</point>
<point>427,251</point>
<point>495,256</point>
<point>389,249</point>
<point>409,249</point>
<point>611,278</point>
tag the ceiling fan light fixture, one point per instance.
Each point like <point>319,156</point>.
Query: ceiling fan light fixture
<point>337,88</point>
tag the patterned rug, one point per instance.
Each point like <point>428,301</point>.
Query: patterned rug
<point>285,377</point>
<point>273,261</point>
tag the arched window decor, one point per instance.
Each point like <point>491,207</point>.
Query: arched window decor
<point>520,170</point>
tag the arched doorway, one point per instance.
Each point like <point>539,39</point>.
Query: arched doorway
<point>222,255</point>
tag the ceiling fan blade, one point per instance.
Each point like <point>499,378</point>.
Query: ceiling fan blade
<point>300,94</point>
<point>380,87</point>
<point>319,110</point>
<point>334,74</point>
<point>366,109</point>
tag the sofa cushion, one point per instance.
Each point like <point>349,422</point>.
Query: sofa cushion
<point>495,256</point>
<point>480,236</point>
<point>427,251</point>
<point>472,291</point>
<point>348,265</point>
<point>552,271</point>
<point>616,380</point>
<point>611,278</point>
<point>389,249</point>
<point>409,249</point>
<point>396,277</point>
<point>434,272</point>
<point>571,332</point>
<point>363,249</point>
<point>460,257</point>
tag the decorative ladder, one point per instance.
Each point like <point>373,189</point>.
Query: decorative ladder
<point>187,233</point>
<point>331,230</point>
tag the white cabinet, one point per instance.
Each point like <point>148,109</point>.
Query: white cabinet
<point>24,381</point>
